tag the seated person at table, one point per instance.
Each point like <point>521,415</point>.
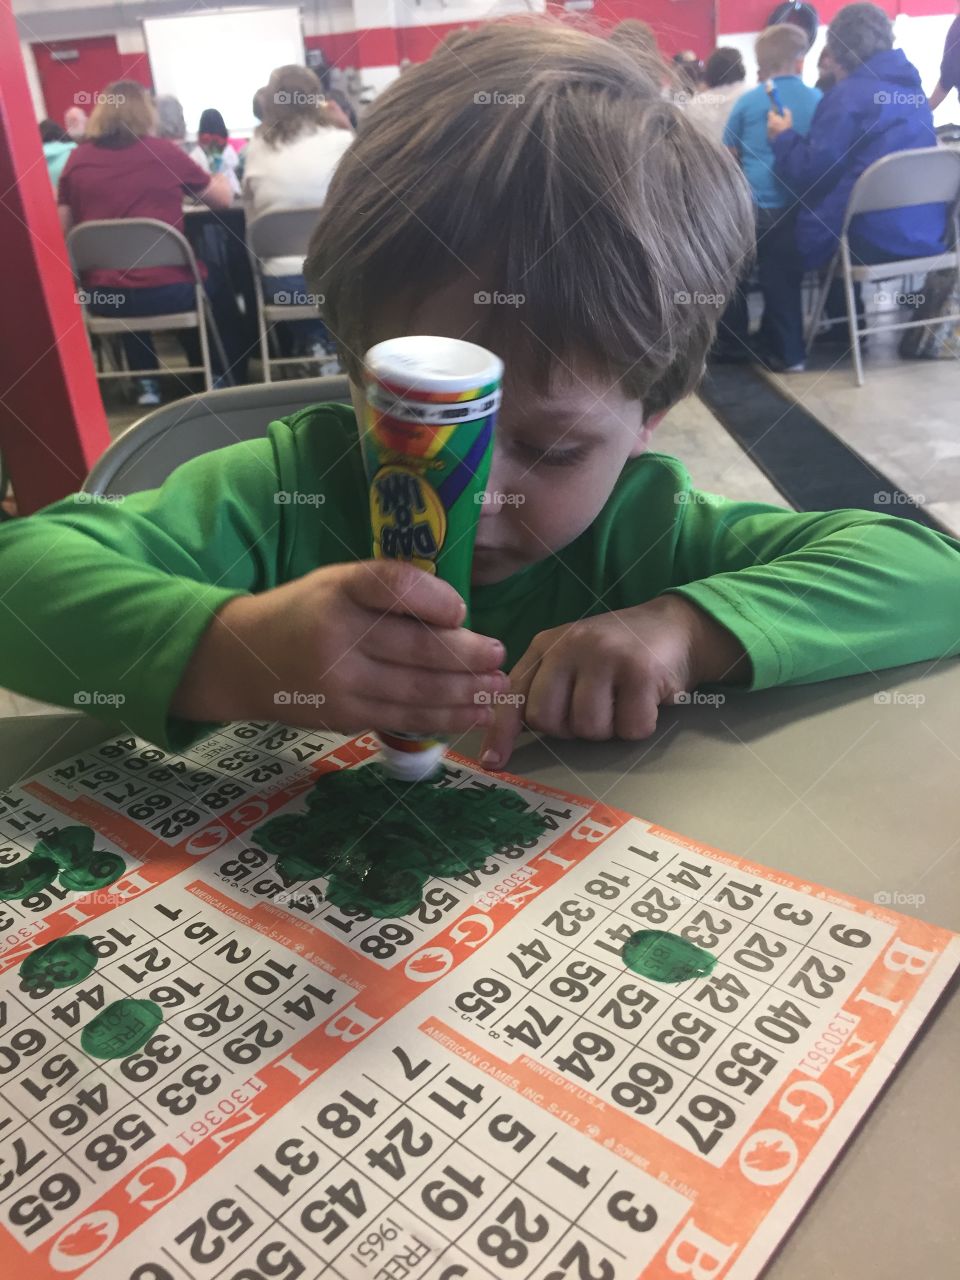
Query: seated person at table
<point>214,152</point>
<point>288,165</point>
<point>779,344</point>
<point>170,120</point>
<point>606,584</point>
<point>724,79</point>
<point>876,107</point>
<point>122,170</point>
<point>57,145</point>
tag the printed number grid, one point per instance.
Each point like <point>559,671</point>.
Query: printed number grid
<point>695,1059</point>
<point>437,1164</point>
<point>248,871</point>
<point>231,1003</point>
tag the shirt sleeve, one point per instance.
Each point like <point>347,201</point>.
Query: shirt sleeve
<point>112,597</point>
<point>950,67</point>
<point>189,174</point>
<point>812,596</point>
<point>823,156</point>
<point>733,129</point>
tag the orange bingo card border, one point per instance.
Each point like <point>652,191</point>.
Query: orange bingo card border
<point>738,1218</point>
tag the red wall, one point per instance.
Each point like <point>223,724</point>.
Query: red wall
<point>68,84</point>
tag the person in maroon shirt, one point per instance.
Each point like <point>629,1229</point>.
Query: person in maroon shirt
<point>949,67</point>
<point>122,170</point>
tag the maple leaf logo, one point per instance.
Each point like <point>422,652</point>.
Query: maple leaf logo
<point>767,1156</point>
<point>86,1239</point>
<point>429,962</point>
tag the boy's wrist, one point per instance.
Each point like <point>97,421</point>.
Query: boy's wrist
<point>224,679</point>
<point>716,655</point>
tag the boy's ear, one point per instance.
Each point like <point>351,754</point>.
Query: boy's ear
<point>642,442</point>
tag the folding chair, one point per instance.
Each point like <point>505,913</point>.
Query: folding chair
<point>901,180</point>
<point>125,244</point>
<point>283,233</point>
<point>146,453</point>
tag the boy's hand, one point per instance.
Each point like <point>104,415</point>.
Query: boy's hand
<point>777,123</point>
<point>606,677</point>
<point>350,647</point>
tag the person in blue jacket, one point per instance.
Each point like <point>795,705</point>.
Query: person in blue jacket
<point>876,107</point>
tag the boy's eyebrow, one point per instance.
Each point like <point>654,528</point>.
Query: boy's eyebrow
<point>558,428</point>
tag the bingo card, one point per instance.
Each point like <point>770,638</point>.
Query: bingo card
<point>482,1088</point>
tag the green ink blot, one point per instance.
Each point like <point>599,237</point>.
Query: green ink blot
<point>121,1029</point>
<point>82,867</point>
<point>60,963</point>
<point>379,840</point>
<point>101,869</point>
<point>30,875</point>
<point>664,957</point>
<point>67,846</point>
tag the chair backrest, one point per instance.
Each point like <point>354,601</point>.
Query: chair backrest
<point>123,244</point>
<point>158,443</point>
<point>283,233</point>
<point>930,175</point>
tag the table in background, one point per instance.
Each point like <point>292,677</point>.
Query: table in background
<point>851,784</point>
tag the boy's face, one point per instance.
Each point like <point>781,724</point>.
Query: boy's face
<point>556,457</point>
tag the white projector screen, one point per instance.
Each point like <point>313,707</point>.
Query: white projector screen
<point>221,59</point>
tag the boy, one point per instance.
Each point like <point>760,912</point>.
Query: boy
<point>780,52</point>
<point>546,172</point>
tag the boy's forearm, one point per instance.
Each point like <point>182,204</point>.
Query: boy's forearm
<point>225,678</point>
<point>718,656</point>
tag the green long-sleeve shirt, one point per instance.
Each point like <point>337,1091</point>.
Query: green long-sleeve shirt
<point>109,599</point>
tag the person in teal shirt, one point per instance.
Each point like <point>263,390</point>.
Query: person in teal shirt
<point>542,222</point>
<point>780,53</point>
<point>57,148</point>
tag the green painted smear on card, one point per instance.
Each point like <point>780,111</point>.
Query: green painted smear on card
<point>30,875</point>
<point>379,840</point>
<point>122,1028</point>
<point>652,953</point>
<point>67,853</point>
<point>60,963</point>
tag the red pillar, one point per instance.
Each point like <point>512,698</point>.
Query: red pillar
<point>52,424</point>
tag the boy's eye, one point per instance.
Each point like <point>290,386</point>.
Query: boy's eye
<point>554,457</point>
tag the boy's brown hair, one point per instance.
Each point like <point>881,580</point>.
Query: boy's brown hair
<point>778,48</point>
<point>542,162</point>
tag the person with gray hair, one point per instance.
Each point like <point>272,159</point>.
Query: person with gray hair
<point>876,107</point>
<point>170,121</point>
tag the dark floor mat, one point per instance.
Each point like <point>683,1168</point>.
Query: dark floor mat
<point>803,459</point>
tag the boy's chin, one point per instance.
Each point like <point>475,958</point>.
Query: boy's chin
<point>491,567</point>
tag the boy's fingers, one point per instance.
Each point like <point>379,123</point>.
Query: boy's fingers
<point>427,721</point>
<point>410,643</point>
<point>591,707</point>
<point>430,690</point>
<point>501,735</point>
<point>391,586</point>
